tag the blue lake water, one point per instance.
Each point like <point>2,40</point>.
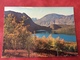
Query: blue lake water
<point>69,38</point>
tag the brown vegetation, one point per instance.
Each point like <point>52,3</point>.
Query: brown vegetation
<point>19,42</point>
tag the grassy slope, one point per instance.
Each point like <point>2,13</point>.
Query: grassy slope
<point>65,29</point>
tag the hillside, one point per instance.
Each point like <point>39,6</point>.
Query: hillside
<point>51,22</point>
<point>56,19</point>
<point>65,29</point>
<point>28,21</point>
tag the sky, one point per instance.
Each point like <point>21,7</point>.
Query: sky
<point>39,12</point>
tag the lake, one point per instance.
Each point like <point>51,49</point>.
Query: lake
<point>69,38</point>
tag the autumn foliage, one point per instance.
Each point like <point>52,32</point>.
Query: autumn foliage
<point>18,37</point>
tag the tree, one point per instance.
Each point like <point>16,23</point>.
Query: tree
<point>59,45</point>
<point>8,30</point>
<point>25,36</point>
<point>16,35</point>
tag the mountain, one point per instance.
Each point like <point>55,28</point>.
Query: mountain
<point>56,19</point>
<point>34,19</point>
<point>28,21</point>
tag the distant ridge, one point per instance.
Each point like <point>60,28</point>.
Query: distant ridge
<point>56,19</point>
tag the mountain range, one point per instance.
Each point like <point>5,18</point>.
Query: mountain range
<point>28,21</point>
<point>58,19</point>
<point>50,22</point>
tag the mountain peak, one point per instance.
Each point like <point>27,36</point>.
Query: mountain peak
<point>56,19</point>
